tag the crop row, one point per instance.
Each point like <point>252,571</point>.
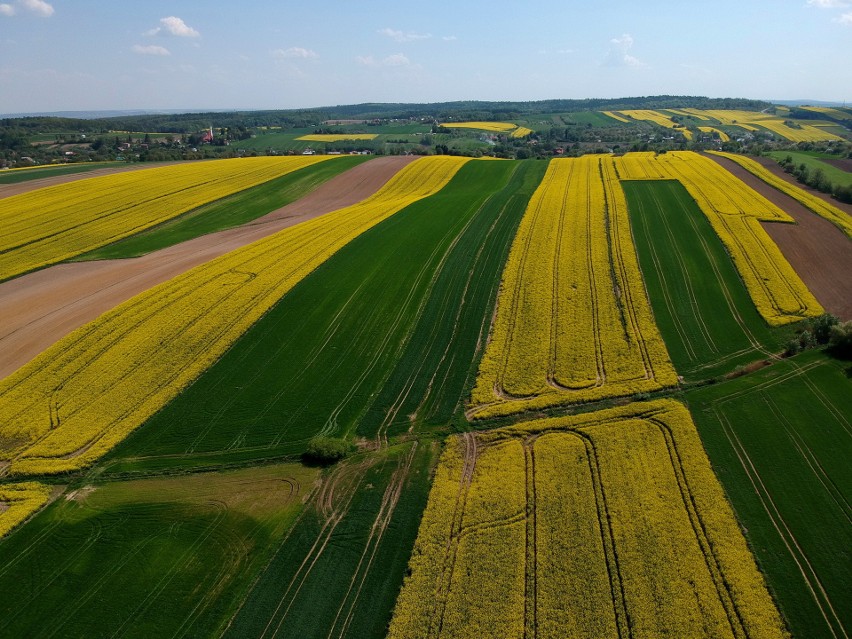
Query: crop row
<point>19,501</point>
<point>573,321</point>
<point>58,222</point>
<point>336,137</point>
<point>608,524</point>
<point>819,206</point>
<point>736,213</point>
<point>656,117</point>
<point>90,390</point>
<point>724,137</point>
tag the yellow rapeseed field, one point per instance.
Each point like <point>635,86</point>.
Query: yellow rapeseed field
<point>337,137</point>
<point>601,525</point>
<point>86,393</point>
<point>615,116</point>
<point>521,132</point>
<point>837,114</point>
<point>656,117</point>
<point>722,135</point>
<point>482,126</point>
<point>19,501</point>
<point>735,211</point>
<point>839,218</point>
<point>573,321</point>
<point>48,225</point>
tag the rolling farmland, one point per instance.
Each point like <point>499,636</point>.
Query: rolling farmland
<point>547,380</point>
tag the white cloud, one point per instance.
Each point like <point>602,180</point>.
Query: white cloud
<point>151,49</point>
<point>845,19</point>
<point>39,7</point>
<point>401,36</point>
<point>828,4</point>
<point>395,60</point>
<point>619,55</point>
<point>295,52</point>
<point>7,10</point>
<point>449,38</point>
<point>172,26</point>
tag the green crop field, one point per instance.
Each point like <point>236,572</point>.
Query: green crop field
<point>339,571</point>
<point>815,161</point>
<point>779,441</point>
<point>701,305</point>
<point>171,556</point>
<point>226,213</point>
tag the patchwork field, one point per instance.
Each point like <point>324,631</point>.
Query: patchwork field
<point>508,356</point>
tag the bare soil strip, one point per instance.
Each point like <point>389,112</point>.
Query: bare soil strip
<point>844,164</point>
<point>38,309</point>
<point>8,190</point>
<point>818,250</point>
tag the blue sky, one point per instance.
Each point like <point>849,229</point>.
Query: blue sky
<point>176,54</point>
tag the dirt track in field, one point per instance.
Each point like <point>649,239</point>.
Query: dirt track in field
<point>38,309</point>
<point>818,250</point>
<point>8,190</point>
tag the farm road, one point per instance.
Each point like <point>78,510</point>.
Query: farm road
<point>38,309</point>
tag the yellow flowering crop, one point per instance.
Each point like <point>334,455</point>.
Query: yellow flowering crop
<point>656,117</point>
<point>819,206</point>
<point>337,137</point>
<point>19,501</point>
<point>615,116</point>
<point>48,225</point>
<point>601,525</point>
<point>735,211</point>
<point>482,126</point>
<point>752,120</point>
<point>521,132</point>
<point>86,393</point>
<point>837,114</point>
<point>573,321</point>
<point>722,135</point>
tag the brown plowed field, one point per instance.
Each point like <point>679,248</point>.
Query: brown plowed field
<point>818,250</point>
<point>38,309</point>
<point>844,164</point>
<point>8,190</point>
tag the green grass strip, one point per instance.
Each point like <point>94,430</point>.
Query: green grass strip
<point>16,177</point>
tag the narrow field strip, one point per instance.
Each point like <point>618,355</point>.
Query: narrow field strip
<point>55,223</point>
<point>90,390</point>
<point>839,218</point>
<point>624,531</point>
<point>19,501</point>
<point>573,322</point>
<point>735,211</point>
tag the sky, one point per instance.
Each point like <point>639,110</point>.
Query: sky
<point>83,55</point>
